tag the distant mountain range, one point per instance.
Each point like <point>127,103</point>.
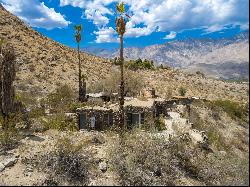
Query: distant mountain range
<point>226,58</point>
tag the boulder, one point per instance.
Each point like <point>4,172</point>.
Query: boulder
<point>2,167</point>
<point>98,139</point>
<point>9,162</point>
<point>103,166</point>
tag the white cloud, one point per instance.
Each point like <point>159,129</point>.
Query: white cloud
<point>35,13</point>
<point>106,35</point>
<point>95,10</point>
<point>171,35</point>
<point>148,16</point>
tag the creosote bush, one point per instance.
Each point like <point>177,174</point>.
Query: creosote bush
<point>182,91</point>
<point>68,162</point>
<point>59,100</point>
<point>9,138</point>
<point>142,160</point>
<point>59,122</point>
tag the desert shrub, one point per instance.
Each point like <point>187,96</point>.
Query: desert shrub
<point>213,169</point>
<point>169,93</point>
<point>60,99</point>
<point>141,159</point>
<point>9,138</point>
<point>139,64</point>
<point>59,122</point>
<point>182,91</point>
<point>67,162</point>
<point>160,123</point>
<point>233,109</point>
<point>36,112</point>
<point>133,83</point>
<point>215,138</point>
<point>74,105</point>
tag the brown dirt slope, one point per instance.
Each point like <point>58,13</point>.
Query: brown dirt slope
<point>42,62</point>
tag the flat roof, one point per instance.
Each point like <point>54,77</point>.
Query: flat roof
<point>140,103</point>
<point>134,102</point>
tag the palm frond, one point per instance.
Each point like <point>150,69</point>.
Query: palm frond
<point>120,7</point>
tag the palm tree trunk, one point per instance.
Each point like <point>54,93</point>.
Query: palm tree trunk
<point>122,84</point>
<point>80,74</point>
<point>1,81</point>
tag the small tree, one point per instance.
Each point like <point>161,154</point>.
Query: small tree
<point>82,84</point>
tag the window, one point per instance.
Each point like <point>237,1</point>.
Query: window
<point>83,121</point>
<point>135,118</point>
<point>108,119</point>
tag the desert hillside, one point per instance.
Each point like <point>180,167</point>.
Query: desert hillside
<point>44,64</point>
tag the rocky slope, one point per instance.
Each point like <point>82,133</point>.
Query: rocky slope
<point>225,58</point>
<point>43,64</point>
<point>227,137</point>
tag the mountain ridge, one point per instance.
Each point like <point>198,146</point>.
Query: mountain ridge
<point>186,54</point>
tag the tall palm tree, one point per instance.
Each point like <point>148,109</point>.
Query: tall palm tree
<point>121,29</point>
<point>78,30</point>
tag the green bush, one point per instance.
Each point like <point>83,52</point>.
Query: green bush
<point>160,123</point>
<point>9,138</point>
<point>182,91</point>
<point>59,122</point>
<point>139,64</point>
<point>59,100</point>
<point>74,105</point>
<point>37,112</point>
<point>233,109</point>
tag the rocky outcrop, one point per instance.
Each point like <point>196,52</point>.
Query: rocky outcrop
<point>7,162</point>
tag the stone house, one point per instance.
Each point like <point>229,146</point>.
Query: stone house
<point>136,112</point>
<point>96,118</point>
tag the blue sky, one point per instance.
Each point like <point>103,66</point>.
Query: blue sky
<point>152,21</point>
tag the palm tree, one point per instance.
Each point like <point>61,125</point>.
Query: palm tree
<point>121,29</point>
<point>78,30</point>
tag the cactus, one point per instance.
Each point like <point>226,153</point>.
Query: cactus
<point>7,77</point>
